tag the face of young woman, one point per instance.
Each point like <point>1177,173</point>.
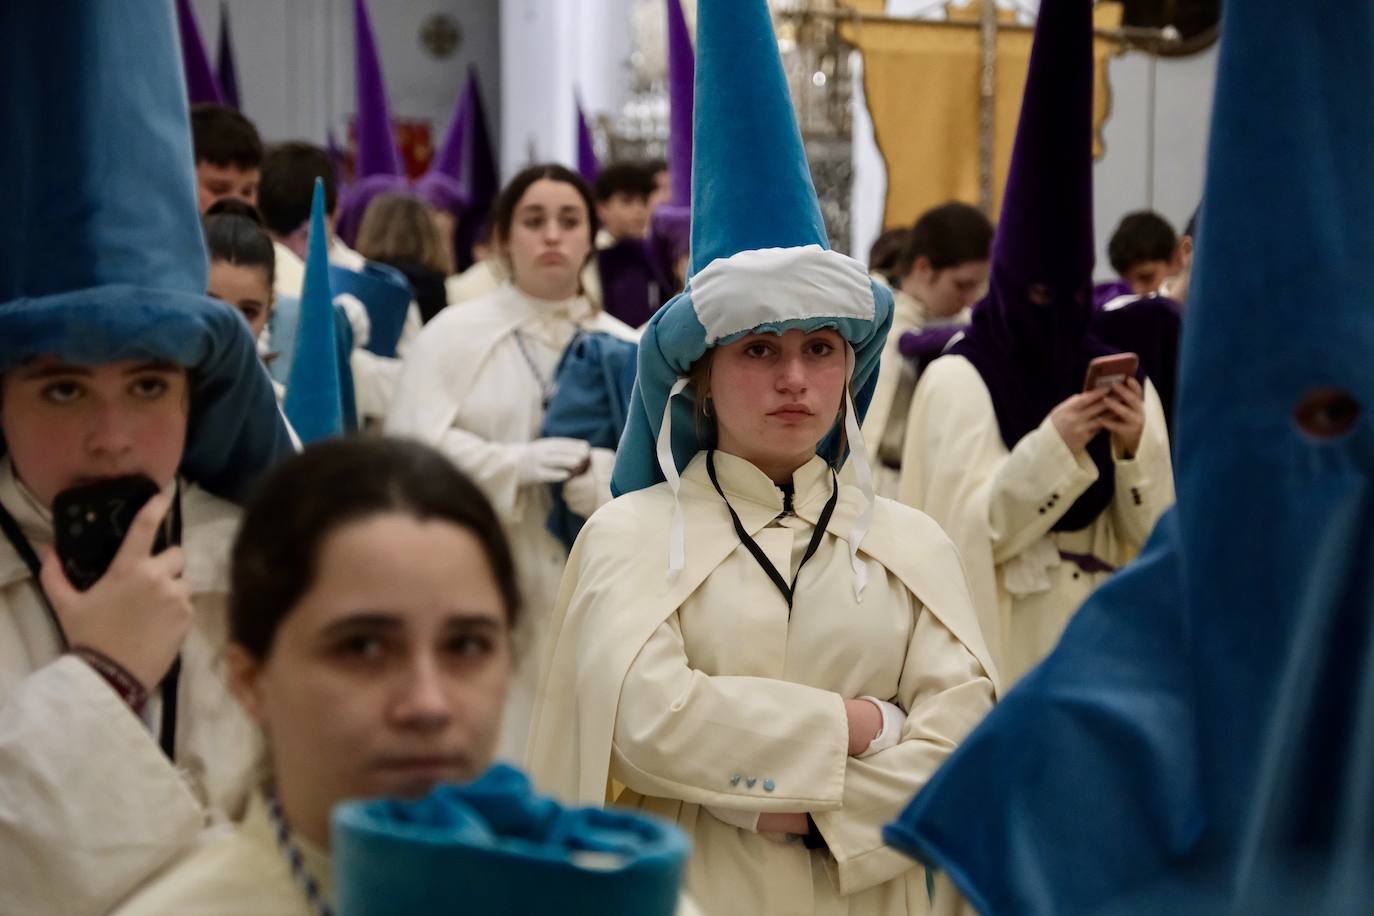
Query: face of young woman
<point>550,240</point>
<point>67,425</point>
<point>389,675</point>
<point>774,397</point>
<point>246,289</point>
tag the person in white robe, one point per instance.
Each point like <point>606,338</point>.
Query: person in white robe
<point>942,271</point>
<point>120,745</point>
<point>1046,488</point>
<point>478,380</point>
<point>748,641</point>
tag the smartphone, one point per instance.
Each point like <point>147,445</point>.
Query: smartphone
<point>91,521</point>
<point>1106,371</point>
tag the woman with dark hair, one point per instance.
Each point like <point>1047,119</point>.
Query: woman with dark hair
<point>373,597</point>
<point>478,380</point>
<point>242,262</point>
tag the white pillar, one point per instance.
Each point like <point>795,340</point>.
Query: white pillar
<point>605,41</point>
<point>538,72</point>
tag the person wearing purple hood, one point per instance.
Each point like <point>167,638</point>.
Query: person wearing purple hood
<point>1045,489</point>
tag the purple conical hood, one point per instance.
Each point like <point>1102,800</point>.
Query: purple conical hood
<point>587,164</point>
<point>477,164</point>
<point>226,73</point>
<point>681,77</point>
<point>1030,339</point>
<point>449,159</point>
<point>377,153</point>
<point>1045,233</point>
<point>200,81</point>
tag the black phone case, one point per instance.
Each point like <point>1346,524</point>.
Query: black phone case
<point>90,523</point>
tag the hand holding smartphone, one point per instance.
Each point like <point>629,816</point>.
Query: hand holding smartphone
<point>112,585</point>
<point>92,521</point>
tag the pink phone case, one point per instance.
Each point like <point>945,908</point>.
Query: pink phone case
<point>1106,371</point>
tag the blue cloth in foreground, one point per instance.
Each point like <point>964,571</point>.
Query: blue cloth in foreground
<point>594,380</point>
<point>494,848</point>
<point>1202,740</point>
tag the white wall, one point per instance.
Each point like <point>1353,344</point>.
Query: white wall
<point>295,60</point>
<point>551,49</point>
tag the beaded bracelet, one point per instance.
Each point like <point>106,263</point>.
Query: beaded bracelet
<point>116,675</point>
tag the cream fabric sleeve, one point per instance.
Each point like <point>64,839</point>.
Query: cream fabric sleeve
<point>493,466</point>
<point>946,693</point>
<point>89,806</point>
<point>1032,489</point>
<point>426,405</point>
<point>1145,482</point>
<point>954,431</point>
<point>681,734</point>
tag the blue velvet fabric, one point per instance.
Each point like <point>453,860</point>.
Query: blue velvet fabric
<point>103,257</point>
<point>385,292</point>
<point>594,381</point>
<point>1200,740</point>
<point>751,190</point>
<point>495,848</point>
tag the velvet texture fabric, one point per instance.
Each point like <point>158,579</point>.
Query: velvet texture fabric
<point>1030,338</point>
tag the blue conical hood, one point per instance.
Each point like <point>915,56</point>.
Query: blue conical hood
<point>1199,741</point>
<point>103,254</point>
<point>313,401</point>
<point>751,185</point>
<point>760,257</point>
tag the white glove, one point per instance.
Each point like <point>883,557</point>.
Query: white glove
<point>591,490</point>
<point>551,460</point>
<point>358,318</point>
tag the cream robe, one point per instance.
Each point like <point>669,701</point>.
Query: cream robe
<point>675,688</point>
<point>89,806</point>
<point>999,507</point>
<point>467,389</point>
<point>243,873</point>
<point>908,314</point>
<point>479,280</point>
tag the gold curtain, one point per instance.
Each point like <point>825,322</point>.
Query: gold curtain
<point>922,82</point>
